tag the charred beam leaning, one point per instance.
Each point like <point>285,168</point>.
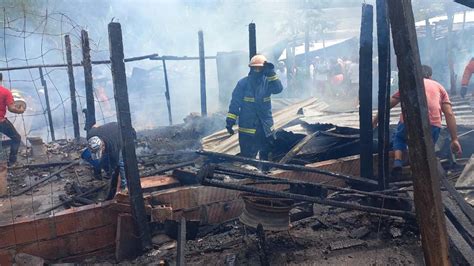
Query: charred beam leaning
<point>48,106</point>
<point>383,45</point>
<point>73,163</point>
<point>72,87</point>
<point>206,173</point>
<point>286,180</point>
<point>202,72</point>
<point>167,92</point>
<point>426,179</point>
<point>122,106</point>
<point>221,156</point>
<point>81,195</point>
<point>170,167</point>
<point>86,63</point>
<point>365,91</point>
<point>252,40</point>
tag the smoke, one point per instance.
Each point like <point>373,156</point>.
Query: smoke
<point>163,27</point>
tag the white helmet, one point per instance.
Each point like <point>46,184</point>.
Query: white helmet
<point>95,145</point>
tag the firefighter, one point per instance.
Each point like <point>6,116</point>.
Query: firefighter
<point>251,105</point>
<point>466,77</point>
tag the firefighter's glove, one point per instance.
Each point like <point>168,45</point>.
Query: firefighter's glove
<point>463,91</point>
<point>229,124</point>
<point>268,69</point>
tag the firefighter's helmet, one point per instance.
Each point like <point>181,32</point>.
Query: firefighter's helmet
<point>257,60</point>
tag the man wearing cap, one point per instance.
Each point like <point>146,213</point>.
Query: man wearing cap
<point>6,127</point>
<point>104,152</point>
<point>251,106</point>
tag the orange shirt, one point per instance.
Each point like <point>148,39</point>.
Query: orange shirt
<point>436,96</point>
<point>467,73</point>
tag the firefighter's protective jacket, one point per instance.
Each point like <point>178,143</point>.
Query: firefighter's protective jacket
<point>251,103</point>
<point>467,73</point>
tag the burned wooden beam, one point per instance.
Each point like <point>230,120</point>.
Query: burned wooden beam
<point>72,87</point>
<point>88,192</point>
<point>170,168</point>
<point>461,221</point>
<point>127,133</point>
<point>465,207</point>
<point>181,58</point>
<point>365,92</point>
<point>48,106</point>
<point>202,74</point>
<point>427,192</point>
<point>368,183</point>
<point>30,187</point>
<point>383,46</point>
<point>86,63</point>
<point>272,193</point>
<point>41,165</point>
<point>181,249</point>
<point>104,62</point>
<point>252,40</point>
<point>83,200</point>
<point>283,180</point>
<point>297,148</point>
<point>167,93</point>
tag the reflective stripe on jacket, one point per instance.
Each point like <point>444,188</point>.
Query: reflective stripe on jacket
<point>251,104</point>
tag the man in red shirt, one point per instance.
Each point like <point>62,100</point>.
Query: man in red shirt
<point>6,127</point>
<point>438,102</point>
<point>466,77</point>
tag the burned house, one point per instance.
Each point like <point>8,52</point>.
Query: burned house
<point>325,196</point>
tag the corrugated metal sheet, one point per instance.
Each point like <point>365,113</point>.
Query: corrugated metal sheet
<point>463,110</point>
<point>222,142</point>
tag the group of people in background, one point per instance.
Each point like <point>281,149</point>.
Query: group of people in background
<point>339,77</point>
<point>327,77</point>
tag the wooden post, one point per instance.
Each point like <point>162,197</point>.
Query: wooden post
<point>3,178</point>
<point>306,55</point>
<point>428,40</point>
<point>383,45</point>
<point>48,107</point>
<point>365,91</point>
<point>452,75</point>
<point>167,92</point>
<point>202,71</point>
<point>181,248</point>
<point>72,87</point>
<point>426,182</point>
<point>86,63</point>
<point>252,40</point>
<point>126,133</point>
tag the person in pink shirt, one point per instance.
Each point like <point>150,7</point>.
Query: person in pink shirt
<point>438,103</point>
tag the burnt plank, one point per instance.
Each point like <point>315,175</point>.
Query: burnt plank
<point>459,219</point>
<point>127,133</point>
<point>426,179</point>
<point>127,245</point>
<point>365,91</point>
